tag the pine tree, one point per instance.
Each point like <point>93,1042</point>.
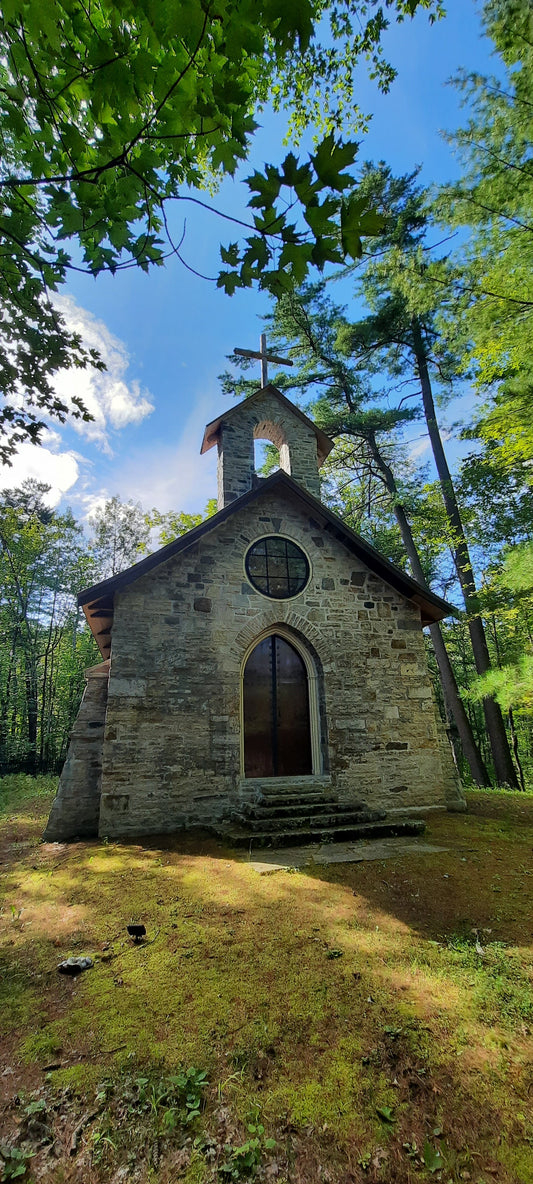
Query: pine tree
<point>408,290</point>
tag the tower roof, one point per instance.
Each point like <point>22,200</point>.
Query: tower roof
<point>212,431</point>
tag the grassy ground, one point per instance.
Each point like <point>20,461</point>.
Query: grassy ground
<point>356,1023</point>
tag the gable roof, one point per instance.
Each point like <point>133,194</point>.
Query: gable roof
<point>212,431</point>
<point>97,602</point>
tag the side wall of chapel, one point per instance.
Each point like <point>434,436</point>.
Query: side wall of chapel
<point>172,746</point>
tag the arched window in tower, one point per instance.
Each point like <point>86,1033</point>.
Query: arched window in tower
<point>271,449</point>
<point>266,458</point>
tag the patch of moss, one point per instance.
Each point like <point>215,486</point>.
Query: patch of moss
<point>235,977</point>
<point>18,1000</point>
<point>82,1079</point>
<point>41,1046</point>
<point>197,1170</point>
<point>518,1159</point>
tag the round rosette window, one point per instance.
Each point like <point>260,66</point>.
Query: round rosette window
<point>277,567</point>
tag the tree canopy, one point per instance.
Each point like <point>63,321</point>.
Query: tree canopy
<point>110,111</point>
<point>493,200</point>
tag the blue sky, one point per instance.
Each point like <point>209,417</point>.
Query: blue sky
<point>165,336</point>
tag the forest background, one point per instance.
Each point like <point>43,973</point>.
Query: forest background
<point>423,294</point>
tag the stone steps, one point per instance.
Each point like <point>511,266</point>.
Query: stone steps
<point>243,837</point>
<point>280,801</point>
<point>299,811</point>
<point>295,809</point>
<point>322,820</point>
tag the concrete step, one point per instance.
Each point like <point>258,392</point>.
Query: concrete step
<point>242,836</point>
<point>274,810</point>
<point>286,799</point>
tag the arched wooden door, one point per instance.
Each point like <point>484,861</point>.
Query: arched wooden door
<point>277,735</point>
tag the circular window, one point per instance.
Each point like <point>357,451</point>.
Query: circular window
<point>276,567</point>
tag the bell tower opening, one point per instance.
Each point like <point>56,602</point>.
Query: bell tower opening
<point>265,415</point>
<point>266,458</point>
<point>271,447</point>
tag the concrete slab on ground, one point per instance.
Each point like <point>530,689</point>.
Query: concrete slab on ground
<point>273,860</point>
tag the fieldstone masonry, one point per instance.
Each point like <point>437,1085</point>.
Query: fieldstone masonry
<point>172,754</point>
<point>75,811</point>
<point>180,697</point>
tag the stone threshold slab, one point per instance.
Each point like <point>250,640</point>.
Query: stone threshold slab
<point>273,860</point>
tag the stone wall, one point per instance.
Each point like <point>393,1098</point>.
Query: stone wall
<point>75,810</point>
<point>172,751</point>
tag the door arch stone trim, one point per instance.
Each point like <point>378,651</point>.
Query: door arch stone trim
<point>268,623</point>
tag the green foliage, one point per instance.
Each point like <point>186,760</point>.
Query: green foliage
<point>18,788</point>
<point>154,1106</point>
<point>494,199</point>
<point>385,1113</point>
<point>109,114</point>
<point>510,597</point>
<point>172,525</point>
<point>172,1100</point>
<point>45,560</point>
<point>243,1162</point>
<point>500,992</point>
<point>318,186</point>
<point>100,1143</point>
<point>432,1157</point>
<point>43,563</point>
<point>14,1162</point>
<point>120,534</point>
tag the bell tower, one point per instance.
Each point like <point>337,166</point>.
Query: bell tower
<point>265,415</point>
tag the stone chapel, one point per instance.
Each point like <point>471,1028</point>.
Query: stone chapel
<point>264,676</point>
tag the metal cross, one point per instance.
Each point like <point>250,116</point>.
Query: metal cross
<point>264,357</point>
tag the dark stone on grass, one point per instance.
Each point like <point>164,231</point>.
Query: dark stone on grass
<point>75,966</point>
<point>137,932</point>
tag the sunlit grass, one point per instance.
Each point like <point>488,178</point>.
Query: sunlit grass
<point>19,788</point>
<point>321,1000</point>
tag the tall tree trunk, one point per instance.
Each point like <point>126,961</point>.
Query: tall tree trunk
<point>6,702</point>
<point>450,689</point>
<point>501,753</point>
<point>30,678</point>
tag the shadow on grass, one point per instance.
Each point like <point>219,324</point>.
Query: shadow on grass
<point>328,998</point>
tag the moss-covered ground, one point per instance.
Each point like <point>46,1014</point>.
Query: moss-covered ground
<point>374,1019</point>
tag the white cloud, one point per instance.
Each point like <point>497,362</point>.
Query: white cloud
<point>173,476</point>
<point>111,399</point>
<point>422,444</point>
<point>59,470</point>
<point>419,447</point>
<point>92,503</point>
